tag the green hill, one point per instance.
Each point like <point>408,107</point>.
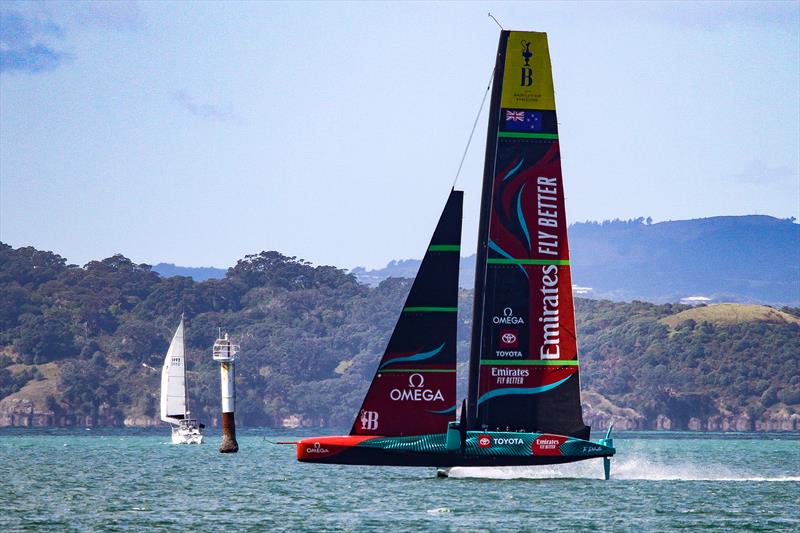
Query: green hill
<point>681,372</point>
<point>84,345</point>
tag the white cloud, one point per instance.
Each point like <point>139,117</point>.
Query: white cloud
<point>222,113</point>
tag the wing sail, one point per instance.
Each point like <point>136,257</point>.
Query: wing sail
<point>524,360</point>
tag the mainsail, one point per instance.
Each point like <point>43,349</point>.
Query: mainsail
<point>173,380</point>
<point>414,388</point>
<point>524,360</point>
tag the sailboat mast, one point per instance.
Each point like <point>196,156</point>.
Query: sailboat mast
<point>483,237</point>
<point>185,368</point>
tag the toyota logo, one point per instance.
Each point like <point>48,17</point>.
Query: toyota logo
<point>509,338</point>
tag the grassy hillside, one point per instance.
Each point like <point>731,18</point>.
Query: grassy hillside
<point>730,314</point>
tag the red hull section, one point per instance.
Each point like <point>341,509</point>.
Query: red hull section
<point>317,449</point>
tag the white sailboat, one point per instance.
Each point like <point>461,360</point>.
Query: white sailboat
<point>174,403</point>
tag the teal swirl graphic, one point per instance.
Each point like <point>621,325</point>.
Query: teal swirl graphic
<point>416,357</point>
<point>532,390</point>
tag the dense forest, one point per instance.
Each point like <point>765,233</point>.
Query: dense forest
<point>84,345</point>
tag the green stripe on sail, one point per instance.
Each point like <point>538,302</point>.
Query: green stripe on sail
<point>430,310</point>
<point>528,362</point>
<point>522,135</point>
<point>505,261</point>
<point>451,371</point>
<point>444,248</point>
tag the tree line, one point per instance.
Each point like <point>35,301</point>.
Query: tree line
<point>311,338</point>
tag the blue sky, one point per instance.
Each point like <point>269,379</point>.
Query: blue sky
<point>196,133</point>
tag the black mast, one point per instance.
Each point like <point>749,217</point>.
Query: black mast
<point>483,235</point>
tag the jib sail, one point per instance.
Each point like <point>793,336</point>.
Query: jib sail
<point>414,389</point>
<point>524,361</point>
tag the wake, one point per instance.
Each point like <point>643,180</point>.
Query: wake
<point>625,468</point>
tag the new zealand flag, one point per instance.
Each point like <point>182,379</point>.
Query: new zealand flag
<point>522,120</point>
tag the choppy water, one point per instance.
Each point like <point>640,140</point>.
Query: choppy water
<point>131,480</point>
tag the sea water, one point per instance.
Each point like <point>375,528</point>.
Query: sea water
<point>136,480</point>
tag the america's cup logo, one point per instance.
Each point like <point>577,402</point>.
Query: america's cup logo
<point>527,71</point>
<point>369,420</point>
<point>526,52</point>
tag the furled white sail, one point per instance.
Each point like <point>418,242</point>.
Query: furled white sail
<point>173,380</point>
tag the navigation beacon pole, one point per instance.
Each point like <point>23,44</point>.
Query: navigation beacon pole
<point>225,352</point>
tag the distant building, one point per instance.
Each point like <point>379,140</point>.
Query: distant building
<point>291,422</point>
<point>695,300</point>
<point>580,291</point>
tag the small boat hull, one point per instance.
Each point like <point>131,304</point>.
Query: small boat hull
<point>481,448</point>
<point>183,435</point>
